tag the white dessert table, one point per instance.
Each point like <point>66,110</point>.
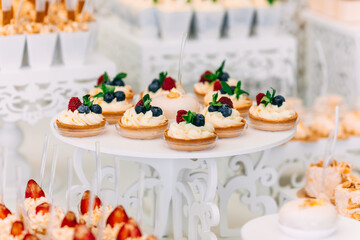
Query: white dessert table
<point>267,227</point>
<point>179,177</point>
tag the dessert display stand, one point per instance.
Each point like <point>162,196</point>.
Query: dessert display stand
<point>30,95</point>
<point>341,44</point>
<point>187,181</point>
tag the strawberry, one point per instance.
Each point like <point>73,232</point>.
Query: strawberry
<point>85,202</point>
<point>168,84</point>
<point>33,190</point>
<point>82,233</point>
<point>100,80</point>
<point>217,85</point>
<point>17,228</point>
<point>43,208</point>
<point>140,102</point>
<point>129,230</point>
<point>259,97</point>
<point>179,116</point>
<point>29,236</point>
<point>4,211</point>
<point>227,101</point>
<point>69,220</point>
<point>117,216</point>
<point>203,79</point>
<point>74,103</point>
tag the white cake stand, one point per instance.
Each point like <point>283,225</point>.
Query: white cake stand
<point>267,227</point>
<point>176,178</point>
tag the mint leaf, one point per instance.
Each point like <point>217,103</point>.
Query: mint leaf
<point>87,101</point>
<point>238,91</point>
<point>220,69</point>
<point>212,77</point>
<point>271,2</point>
<point>106,77</point>
<point>226,88</point>
<point>162,77</point>
<point>121,75</point>
<point>215,101</point>
<point>146,101</point>
<point>99,95</point>
<point>273,94</point>
<point>189,117</point>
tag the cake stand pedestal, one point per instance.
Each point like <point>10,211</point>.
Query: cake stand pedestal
<point>191,177</point>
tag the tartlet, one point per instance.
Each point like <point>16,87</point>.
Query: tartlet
<point>118,83</point>
<point>322,126</point>
<point>239,97</point>
<point>143,121</point>
<point>347,198</point>
<point>227,121</point>
<point>272,113</point>
<point>160,86</point>
<point>351,123</point>
<point>190,132</point>
<point>81,119</point>
<point>113,104</point>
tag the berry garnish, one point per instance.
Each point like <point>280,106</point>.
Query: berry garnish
<point>85,202</point>
<point>43,208</point>
<point>226,89</point>
<point>82,232</point>
<point>224,76</point>
<point>100,80</point>
<point>225,110</point>
<point>74,103</point>
<point>118,80</point>
<point>96,108</point>
<point>156,111</point>
<point>168,84</point>
<point>120,96</point>
<point>83,109</point>
<point>227,101</point>
<point>199,120</point>
<point>129,230</point>
<point>33,190</point>
<point>140,102</point>
<point>259,97</point>
<point>203,78</point>
<point>108,97</point>
<point>212,108</point>
<point>278,100</point>
<point>217,85</point>
<point>154,86</point>
<point>268,98</point>
<point>219,74</point>
<point>4,211</point>
<point>29,236</point>
<point>107,93</point>
<point>179,116</point>
<point>140,109</point>
<point>17,228</point>
<point>69,220</point>
<point>143,105</point>
<point>117,216</point>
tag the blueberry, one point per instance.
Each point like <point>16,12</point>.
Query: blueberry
<point>278,100</point>
<point>233,89</point>
<point>225,110</point>
<point>118,82</point>
<point>156,111</point>
<point>222,91</point>
<point>199,120</point>
<point>140,109</point>
<point>95,108</point>
<point>154,86</point>
<point>224,76</point>
<point>212,108</point>
<point>83,109</point>
<point>120,96</point>
<point>108,97</point>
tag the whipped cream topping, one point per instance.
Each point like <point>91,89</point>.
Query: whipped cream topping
<point>160,92</point>
<point>218,120</point>
<point>64,233</point>
<point>238,103</point>
<point>31,203</point>
<point>39,222</point>
<point>131,118</point>
<point>79,119</point>
<point>96,215</point>
<point>8,236</point>
<point>185,130</point>
<point>110,233</point>
<point>5,224</point>
<point>272,112</point>
<point>114,106</point>
<point>126,89</point>
<point>351,122</point>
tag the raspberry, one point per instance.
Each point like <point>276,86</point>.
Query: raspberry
<point>74,103</point>
<point>217,85</point>
<point>179,116</point>
<point>203,79</point>
<point>227,101</point>
<point>168,84</point>
<point>259,97</point>
<point>100,80</point>
<point>140,102</point>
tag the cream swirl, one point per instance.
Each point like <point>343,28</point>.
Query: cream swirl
<point>131,118</point>
<point>79,119</point>
<point>218,120</point>
<point>126,89</point>
<point>238,103</point>
<point>6,223</point>
<point>96,215</point>
<point>114,106</point>
<point>272,112</point>
<point>31,203</point>
<point>39,222</point>
<point>185,130</point>
<point>64,233</point>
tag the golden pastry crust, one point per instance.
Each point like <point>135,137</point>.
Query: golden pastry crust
<point>76,127</point>
<point>200,96</point>
<point>113,117</point>
<point>190,144</point>
<point>232,131</point>
<point>273,125</point>
<point>80,131</point>
<point>142,132</point>
<point>130,95</point>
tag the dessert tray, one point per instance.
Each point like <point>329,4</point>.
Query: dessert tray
<point>346,229</point>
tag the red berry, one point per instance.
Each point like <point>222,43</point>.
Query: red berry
<point>179,116</point>
<point>74,103</point>
<point>100,80</point>
<point>259,97</point>
<point>140,102</point>
<point>33,190</point>
<point>168,84</point>
<point>217,85</point>
<point>226,100</point>
<point>203,79</point>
